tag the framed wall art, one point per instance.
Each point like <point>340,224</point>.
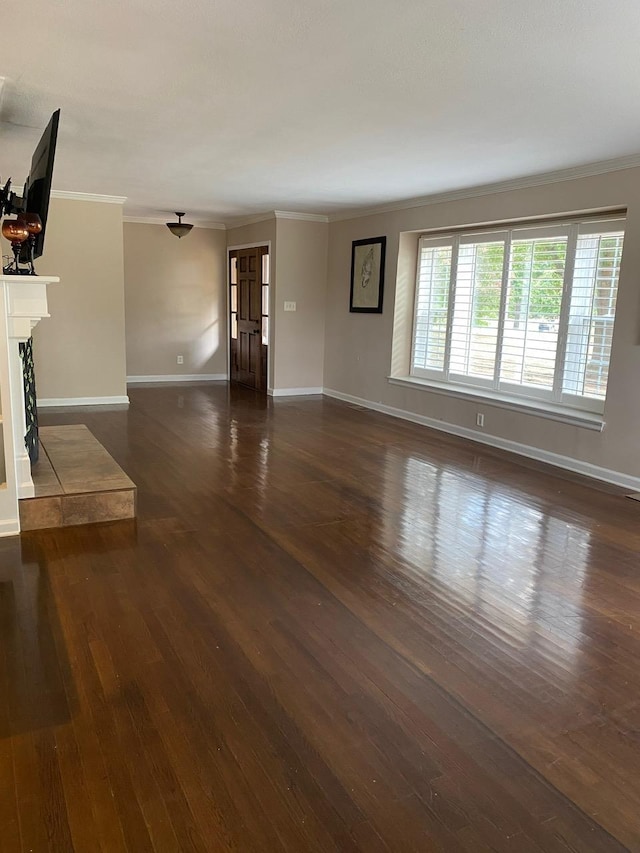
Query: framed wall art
<point>367,275</point>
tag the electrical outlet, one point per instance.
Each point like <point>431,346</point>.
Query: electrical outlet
<point>479,419</point>
<point>289,306</point>
<point>180,359</point>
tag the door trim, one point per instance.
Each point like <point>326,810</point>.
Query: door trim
<point>272,283</point>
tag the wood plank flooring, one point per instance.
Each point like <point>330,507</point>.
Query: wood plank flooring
<point>327,630</point>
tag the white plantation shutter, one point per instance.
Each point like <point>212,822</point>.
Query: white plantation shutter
<point>527,311</point>
<point>474,328</point>
<point>591,313</point>
<point>432,306</point>
<point>532,317</point>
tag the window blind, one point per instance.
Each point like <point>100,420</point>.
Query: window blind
<point>527,311</point>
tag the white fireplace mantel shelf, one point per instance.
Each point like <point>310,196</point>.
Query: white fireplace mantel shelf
<point>23,303</point>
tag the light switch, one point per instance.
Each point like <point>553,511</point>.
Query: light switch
<point>289,306</point>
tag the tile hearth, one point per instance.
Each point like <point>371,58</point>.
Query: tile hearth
<point>76,482</point>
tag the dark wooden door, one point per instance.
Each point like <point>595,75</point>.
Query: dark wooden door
<point>248,317</point>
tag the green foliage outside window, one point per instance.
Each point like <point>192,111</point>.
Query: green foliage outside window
<point>536,269</point>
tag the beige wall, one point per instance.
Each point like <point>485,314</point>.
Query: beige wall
<point>358,347</point>
<point>258,233</point>
<point>175,300</point>
<point>298,274</point>
<point>79,350</point>
<point>302,277</point>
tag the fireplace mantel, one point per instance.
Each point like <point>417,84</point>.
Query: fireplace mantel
<point>23,303</point>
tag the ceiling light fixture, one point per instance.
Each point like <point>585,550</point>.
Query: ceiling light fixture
<point>179,228</point>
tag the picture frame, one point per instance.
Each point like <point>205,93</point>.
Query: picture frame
<point>367,275</point>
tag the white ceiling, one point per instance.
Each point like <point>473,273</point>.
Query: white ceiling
<point>232,107</point>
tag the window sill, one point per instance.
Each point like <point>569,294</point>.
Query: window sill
<point>573,417</point>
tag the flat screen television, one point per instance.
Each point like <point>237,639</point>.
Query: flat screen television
<point>37,189</point>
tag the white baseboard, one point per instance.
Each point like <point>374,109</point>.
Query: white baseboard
<point>177,377</point>
<point>577,466</point>
<point>25,487</point>
<point>293,392</point>
<point>9,528</point>
<point>81,401</point>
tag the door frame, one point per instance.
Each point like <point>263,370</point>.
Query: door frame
<point>230,249</point>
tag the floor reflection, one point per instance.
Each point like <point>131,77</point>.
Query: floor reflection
<point>494,550</point>
<point>32,648</point>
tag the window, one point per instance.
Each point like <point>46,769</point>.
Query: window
<point>234,297</point>
<point>265,299</point>
<point>523,311</point>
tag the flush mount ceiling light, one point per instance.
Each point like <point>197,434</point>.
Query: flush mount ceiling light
<point>179,228</point>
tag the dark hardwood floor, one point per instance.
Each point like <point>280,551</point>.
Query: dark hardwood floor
<point>328,631</point>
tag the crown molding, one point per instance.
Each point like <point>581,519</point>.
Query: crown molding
<point>303,217</point>
<point>105,199</point>
<point>250,220</point>
<point>586,171</point>
<point>153,220</point>
<point>276,214</point>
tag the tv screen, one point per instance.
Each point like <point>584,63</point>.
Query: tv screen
<point>38,186</point>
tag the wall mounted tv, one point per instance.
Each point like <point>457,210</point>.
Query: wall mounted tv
<point>37,189</point>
